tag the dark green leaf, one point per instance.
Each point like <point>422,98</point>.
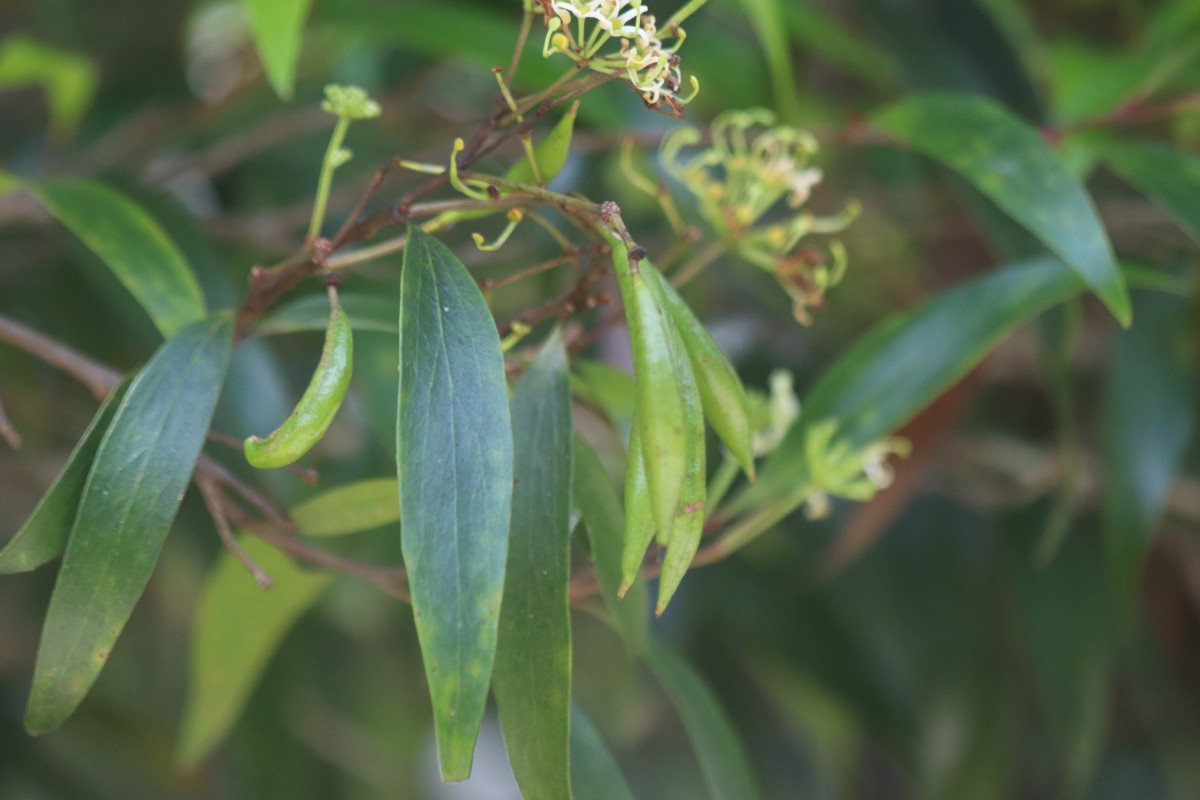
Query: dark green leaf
<point>532,679</point>
<point>367,312</point>
<point>278,28</point>
<point>44,534</point>
<point>1010,163</point>
<point>600,504</point>
<point>129,501</point>
<point>1151,416</point>
<point>352,508</point>
<point>908,360</point>
<point>595,774</point>
<point>722,760</point>
<point>132,245</point>
<point>768,20</point>
<point>238,628</point>
<point>1170,177</point>
<point>454,462</point>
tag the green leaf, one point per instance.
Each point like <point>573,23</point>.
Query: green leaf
<point>853,53</point>
<point>454,462</point>
<point>770,25</point>
<point>639,514</point>
<point>69,80</point>
<point>595,774</point>
<point>721,390</point>
<point>600,505</point>
<point>532,679</point>
<point>129,502</point>
<point>903,364</point>
<point>723,761</point>
<point>278,28</point>
<point>1010,163</point>
<point>238,628</point>
<point>551,152</point>
<point>1150,422</point>
<point>367,312</point>
<point>1169,177</point>
<point>44,534</point>
<point>132,245</point>
<point>607,388</point>
<point>355,507</point>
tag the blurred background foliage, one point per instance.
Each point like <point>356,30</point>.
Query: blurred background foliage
<point>961,636</point>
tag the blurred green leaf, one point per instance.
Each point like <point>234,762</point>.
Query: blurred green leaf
<point>532,678</point>
<point>367,312</point>
<point>45,533</point>
<point>718,750</point>
<point>904,363</point>
<point>600,504</point>
<point>1151,397</point>
<point>132,245</point>
<point>278,28</point>
<point>69,80</point>
<point>238,628</point>
<point>595,774</point>
<point>609,389</point>
<point>770,25</point>
<point>1011,164</point>
<point>355,507</point>
<point>130,499</point>
<point>846,49</point>
<point>1170,177</point>
<point>454,462</point>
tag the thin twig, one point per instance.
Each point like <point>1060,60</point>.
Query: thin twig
<point>7,431</point>
<point>99,379</point>
<point>216,508</point>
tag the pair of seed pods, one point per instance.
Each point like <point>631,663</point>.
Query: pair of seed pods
<point>681,377</point>
<point>319,403</point>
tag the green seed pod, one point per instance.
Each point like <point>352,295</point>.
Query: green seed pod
<point>639,514</point>
<point>321,400</point>
<point>660,404</point>
<point>551,152</point>
<point>687,526</point>
<point>721,390</point>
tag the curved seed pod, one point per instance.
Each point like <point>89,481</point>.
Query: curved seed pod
<point>321,400</point>
<point>551,152</point>
<point>687,525</point>
<point>659,403</point>
<point>639,514</point>
<point>721,390</point>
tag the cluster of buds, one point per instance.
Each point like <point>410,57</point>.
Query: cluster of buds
<point>582,29</point>
<point>751,167</point>
<point>838,469</point>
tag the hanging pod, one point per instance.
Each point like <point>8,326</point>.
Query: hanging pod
<point>321,401</point>
<point>721,390</point>
<point>639,514</point>
<point>660,412</point>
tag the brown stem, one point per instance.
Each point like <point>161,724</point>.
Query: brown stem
<point>99,379</point>
<point>216,508</point>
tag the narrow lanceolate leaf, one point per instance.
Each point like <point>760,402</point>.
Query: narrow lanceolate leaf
<point>1010,163</point>
<point>660,405</point>
<point>44,534</point>
<point>551,152</point>
<point>722,759</point>
<point>131,497</point>
<point>1151,417</point>
<point>639,513</point>
<point>454,462</point>
<point>133,245</point>
<point>532,679</point>
<point>721,390</point>
<point>278,28</point>
<point>353,508</point>
<point>1170,177</point>
<point>600,505</point>
<point>595,774</point>
<point>687,525</point>
<point>902,365</point>
<point>238,628</point>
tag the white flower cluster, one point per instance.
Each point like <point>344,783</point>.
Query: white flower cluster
<point>650,67</point>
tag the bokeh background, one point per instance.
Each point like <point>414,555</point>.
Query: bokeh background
<point>957,637</point>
